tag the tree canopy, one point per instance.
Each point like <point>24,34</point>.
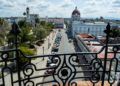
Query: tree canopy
<point>115,33</point>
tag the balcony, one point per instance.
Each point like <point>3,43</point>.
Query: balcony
<point>66,69</point>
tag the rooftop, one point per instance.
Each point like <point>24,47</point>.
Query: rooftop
<point>95,23</point>
<point>86,36</point>
<point>95,46</point>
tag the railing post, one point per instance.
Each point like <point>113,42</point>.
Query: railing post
<point>107,31</point>
<point>15,31</point>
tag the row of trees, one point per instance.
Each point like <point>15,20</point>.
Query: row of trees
<point>27,37</point>
<point>4,28</point>
<point>115,33</point>
<point>31,34</point>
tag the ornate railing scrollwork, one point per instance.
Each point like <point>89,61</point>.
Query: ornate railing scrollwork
<point>68,69</point>
<point>67,72</point>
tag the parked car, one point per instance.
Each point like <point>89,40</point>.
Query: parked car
<point>48,63</point>
<point>55,49</point>
<point>51,71</point>
<point>70,40</point>
<point>53,59</point>
<point>57,45</point>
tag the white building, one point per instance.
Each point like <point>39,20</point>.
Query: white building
<point>31,18</point>
<point>78,26</point>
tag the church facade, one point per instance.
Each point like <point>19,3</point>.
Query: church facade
<point>78,26</point>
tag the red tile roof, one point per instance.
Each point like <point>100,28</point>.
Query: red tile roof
<point>102,54</point>
<point>84,35</point>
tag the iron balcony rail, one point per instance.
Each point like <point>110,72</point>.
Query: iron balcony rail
<point>59,69</point>
<point>68,69</point>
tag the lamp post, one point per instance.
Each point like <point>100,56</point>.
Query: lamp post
<point>48,42</point>
<point>43,52</point>
<point>107,31</point>
<point>53,34</point>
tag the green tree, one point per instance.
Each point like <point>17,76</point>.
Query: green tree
<point>1,41</point>
<point>50,26</point>
<point>26,34</point>
<point>40,33</point>
<point>22,24</point>
<point>2,38</point>
<point>4,29</point>
<point>43,23</point>
<point>115,33</point>
<point>27,52</point>
<point>37,20</point>
<point>1,22</point>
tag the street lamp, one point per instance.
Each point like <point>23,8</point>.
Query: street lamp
<point>43,52</point>
<point>48,42</point>
<point>53,34</point>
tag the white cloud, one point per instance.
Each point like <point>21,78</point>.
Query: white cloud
<point>61,8</point>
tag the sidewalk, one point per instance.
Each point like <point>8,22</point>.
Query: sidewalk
<point>39,62</point>
<point>47,45</point>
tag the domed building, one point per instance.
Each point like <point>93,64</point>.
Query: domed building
<point>78,25</point>
<point>76,15</point>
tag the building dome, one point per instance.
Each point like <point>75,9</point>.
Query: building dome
<point>76,12</point>
<point>76,15</point>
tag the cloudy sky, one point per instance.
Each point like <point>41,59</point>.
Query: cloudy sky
<point>61,8</point>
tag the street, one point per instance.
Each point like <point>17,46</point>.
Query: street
<point>65,62</point>
<point>65,47</point>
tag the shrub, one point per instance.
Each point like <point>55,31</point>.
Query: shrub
<point>0,75</point>
<point>31,46</point>
<point>24,45</point>
<point>1,65</point>
<point>27,52</point>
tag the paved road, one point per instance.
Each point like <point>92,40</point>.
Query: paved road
<point>65,47</point>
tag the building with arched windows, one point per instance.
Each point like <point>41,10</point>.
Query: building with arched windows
<point>79,26</point>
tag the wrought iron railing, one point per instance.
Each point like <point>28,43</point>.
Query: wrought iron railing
<point>68,69</point>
